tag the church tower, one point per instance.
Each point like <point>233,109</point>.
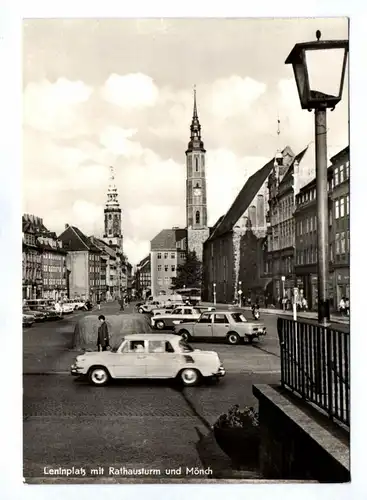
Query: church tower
<point>112,216</point>
<point>196,203</point>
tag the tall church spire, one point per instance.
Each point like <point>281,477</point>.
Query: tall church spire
<point>195,130</point>
<point>112,201</point>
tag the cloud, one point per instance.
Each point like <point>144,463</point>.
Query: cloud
<point>54,108</point>
<point>116,140</point>
<point>130,91</point>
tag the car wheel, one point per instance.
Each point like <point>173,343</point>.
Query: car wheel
<point>140,310</point>
<point>250,339</point>
<point>98,375</point>
<point>160,325</point>
<point>185,335</point>
<point>233,338</point>
<point>189,376</point>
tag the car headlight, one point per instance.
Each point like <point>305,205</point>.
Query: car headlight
<point>177,322</point>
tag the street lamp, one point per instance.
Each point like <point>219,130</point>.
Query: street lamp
<point>214,293</point>
<point>319,69</point>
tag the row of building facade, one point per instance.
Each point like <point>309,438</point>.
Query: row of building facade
<point>74,265</point>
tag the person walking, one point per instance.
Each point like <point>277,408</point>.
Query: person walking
<point>121,304</point>
<point>99,304</point>
<point>347,306</point>
<point>103,340</point>
<point>342,306</point>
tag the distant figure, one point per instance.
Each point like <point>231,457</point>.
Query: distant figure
<point>103,340</point>
<point>347,306</point>
<point>58,308</point>
<point>342,306</point>
<point>304,304</point>
<point>121,304</point>
<point>99,303</point>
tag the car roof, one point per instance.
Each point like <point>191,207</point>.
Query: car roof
<point>151,336</point>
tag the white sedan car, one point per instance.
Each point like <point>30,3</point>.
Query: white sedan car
<point>157,356</point>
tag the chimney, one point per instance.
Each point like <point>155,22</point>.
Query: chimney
<point>252,216</point>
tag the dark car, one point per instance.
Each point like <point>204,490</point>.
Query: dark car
<point>38,315</point>
<point>50,313</point>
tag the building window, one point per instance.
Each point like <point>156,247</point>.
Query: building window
<point>337,243</point>
<point>159,267</point>
<point>159,281</point>
<point>307,226</point>
<point>330,217</point>
<point>196,164</point>
<point>197,217</point>
<point>173,268</point>
<point>347,170</point>
<point>173,255</point>
<point>341,173</point>
<point>300,227</point>
<point>347,204</point>
<point>165,268</point>
<point>336,209</point>
<point>342,201</point>
<point>166,280</point>
<point>183,255</point>
<point>342,242</point>
<point>159,256</point>
<point>165,255</point>
<point>336,176</point>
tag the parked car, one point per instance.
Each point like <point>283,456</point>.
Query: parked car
<point>229,325</point>
<point>149,307</point>
<point>163,310</point>
<point>37,315</point>
<point>28,320</point>
<point>156,356</point>
<point>67,307</point>
<point>50,313</point>
<point>179,315</point>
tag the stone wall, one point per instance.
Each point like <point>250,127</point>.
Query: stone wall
<point>297,446</point>
<point>196,239</point>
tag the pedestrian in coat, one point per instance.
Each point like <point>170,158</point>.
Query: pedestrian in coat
<point>103,340</point>
<point>99,303</point>
<point>121,304</point>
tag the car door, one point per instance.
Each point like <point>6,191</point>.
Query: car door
<point>161,361</point>
<point>221,325</point>
<point>130,361</point>
<point>203,327</point>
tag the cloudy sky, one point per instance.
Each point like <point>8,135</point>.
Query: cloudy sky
<point>119,92</point>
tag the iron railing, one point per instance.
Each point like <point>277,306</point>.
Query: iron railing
<point>315,363</point>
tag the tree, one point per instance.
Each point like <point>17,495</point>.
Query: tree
<point>189,274</point>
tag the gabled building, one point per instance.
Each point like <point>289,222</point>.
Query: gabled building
<point>44,261</point>
<point>167,250</point>
<point>83,264</point>
<point>282,186</point>
<point>143,278</point>
<point>306,253</point>
<point>223,255</point>
<point>31,258</point>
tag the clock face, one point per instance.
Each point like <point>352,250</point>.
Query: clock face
<point>197,191</point>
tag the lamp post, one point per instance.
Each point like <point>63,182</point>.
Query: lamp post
<point>214,293</point>
<point>319,93</point>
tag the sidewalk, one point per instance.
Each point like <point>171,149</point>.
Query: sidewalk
<point>335,318</point>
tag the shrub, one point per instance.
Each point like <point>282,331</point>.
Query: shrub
<point>237,418</point>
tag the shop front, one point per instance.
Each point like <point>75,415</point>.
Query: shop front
<point>342,284</point>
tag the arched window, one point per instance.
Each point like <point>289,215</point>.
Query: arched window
<point>197,185</point>
<point>197,217</point>
<point>196,164</point>
<point>110,216</point>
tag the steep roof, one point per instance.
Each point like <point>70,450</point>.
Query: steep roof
<point>167,239</point>
<point>74,240</point>
<point>340,155</point>
<point>243,200</point>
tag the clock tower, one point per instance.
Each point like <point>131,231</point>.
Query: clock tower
<point>112,216</point>
<point>196,203</point>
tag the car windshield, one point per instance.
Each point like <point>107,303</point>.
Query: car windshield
<point>185,347</point>
<point>238,318</point>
